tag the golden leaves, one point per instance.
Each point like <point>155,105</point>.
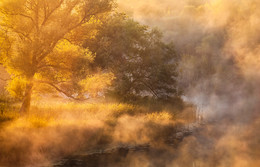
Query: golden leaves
<point>97,83</point>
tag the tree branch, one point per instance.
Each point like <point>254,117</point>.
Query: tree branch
<point>2,79</point>
<point>149,87</point>
<point>18,14</point>
<point>46,17</point>
<point>59,90</point>
<point>53,66</point>
<point>18,32</point>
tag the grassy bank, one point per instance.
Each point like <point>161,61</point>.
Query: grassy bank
<point>56,129</point>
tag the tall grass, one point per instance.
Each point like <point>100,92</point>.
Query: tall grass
<point>54,129</point>
<point>60,113</point>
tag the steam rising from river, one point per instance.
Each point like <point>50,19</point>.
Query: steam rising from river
<point>219,46</point>
<point>224,28</point>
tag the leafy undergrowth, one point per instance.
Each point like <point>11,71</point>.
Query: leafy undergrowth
<point>57,129</point>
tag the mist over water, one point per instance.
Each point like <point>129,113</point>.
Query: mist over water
<point>218,43</point>
<point>219,46</point>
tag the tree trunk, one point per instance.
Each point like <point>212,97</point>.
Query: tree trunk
<point>27,99</point>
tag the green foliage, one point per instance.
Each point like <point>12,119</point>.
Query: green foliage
<point>142,63</point>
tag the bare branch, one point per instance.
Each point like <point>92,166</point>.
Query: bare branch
<point>47,15</point>
<point>18,14</point>
<point>19,32</point>
<point>149,87</point>
<point>44,54</point>
<point>59,90</point>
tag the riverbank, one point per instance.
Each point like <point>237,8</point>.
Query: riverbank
<point>52,131</point>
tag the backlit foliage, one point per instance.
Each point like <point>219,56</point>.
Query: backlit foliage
<point>42,41</point>
<point>97,83</point>
<point>16,87</point>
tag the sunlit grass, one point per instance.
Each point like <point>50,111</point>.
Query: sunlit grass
<point>59,128</point>
<point>8,116</point>
<point>54,113</point>
<point>160,116</point>
<point>80,114</point>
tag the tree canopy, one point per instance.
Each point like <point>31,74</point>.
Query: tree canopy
<point>41,44</point>
<point>78,47</point>
<point>143,64</point>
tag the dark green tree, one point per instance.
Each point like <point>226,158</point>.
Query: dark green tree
<point>143,64</point>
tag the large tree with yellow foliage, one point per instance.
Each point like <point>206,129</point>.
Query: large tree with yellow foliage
<point>41,44</point>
